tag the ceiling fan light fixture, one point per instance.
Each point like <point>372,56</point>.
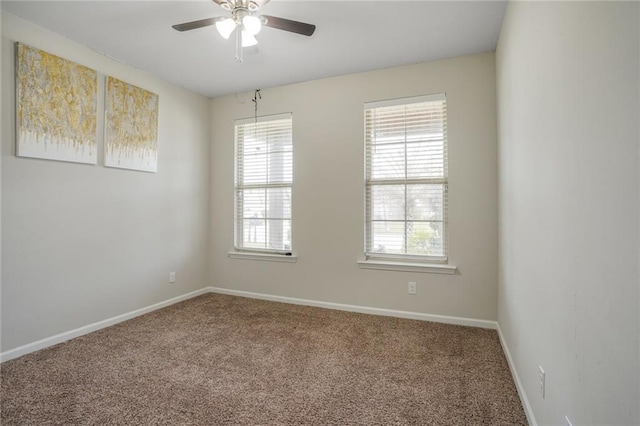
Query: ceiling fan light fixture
<point>244,24</point>
<point>225,27</point>
<point>248,39</point>
<point>252,24</point>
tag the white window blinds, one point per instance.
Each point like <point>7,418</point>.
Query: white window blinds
<point>406,178</point>
<point>263,181</point>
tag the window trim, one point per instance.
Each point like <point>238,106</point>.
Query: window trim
<point>249,253</point>
<point>403,266</point>
<point>405,262</point>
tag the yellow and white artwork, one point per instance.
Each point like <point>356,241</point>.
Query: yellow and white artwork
<point>56,107</point>
<point>131,127</point>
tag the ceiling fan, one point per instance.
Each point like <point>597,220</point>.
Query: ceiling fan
<point>245,24</point>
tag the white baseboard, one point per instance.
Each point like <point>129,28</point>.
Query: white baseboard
<point>528,411</point>
<point>68,335</point>
<point>361,309</point>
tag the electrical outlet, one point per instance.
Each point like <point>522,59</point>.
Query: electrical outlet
<point>412,287</point>
<point>567,421</point>
<point>172,277</point>
<point>542,380</point>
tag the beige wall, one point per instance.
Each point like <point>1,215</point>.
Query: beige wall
<point>568,84</point>
<point>328,200</point>
<point>84,243</point>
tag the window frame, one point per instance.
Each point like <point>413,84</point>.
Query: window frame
<point>394,261</point>
<point>241,251</point>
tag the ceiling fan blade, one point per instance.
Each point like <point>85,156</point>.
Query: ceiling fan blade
<point>195,24</point>
<point>288,25</point>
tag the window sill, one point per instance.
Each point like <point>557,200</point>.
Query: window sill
<point>262,256</point>
<point>430,268</point>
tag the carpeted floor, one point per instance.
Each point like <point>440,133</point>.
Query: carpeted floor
<point>227,360</point>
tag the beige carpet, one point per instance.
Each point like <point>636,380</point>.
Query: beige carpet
<point>228,360</point>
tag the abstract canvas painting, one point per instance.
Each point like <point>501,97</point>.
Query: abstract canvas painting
<point>131,127</point>
<point>56,107</point>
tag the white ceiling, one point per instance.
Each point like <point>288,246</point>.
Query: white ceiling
<point>351,36</point>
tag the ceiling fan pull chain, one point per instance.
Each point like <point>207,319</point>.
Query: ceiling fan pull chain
<point>239,44</point>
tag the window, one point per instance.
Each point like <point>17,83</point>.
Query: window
<point>263,181</point>
<point>406,179</point>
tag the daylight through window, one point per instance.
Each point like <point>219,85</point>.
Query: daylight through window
<point>263,181</point>
<point>406,178</point>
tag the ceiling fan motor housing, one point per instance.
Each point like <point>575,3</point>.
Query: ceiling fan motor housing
<point>233,5</point>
